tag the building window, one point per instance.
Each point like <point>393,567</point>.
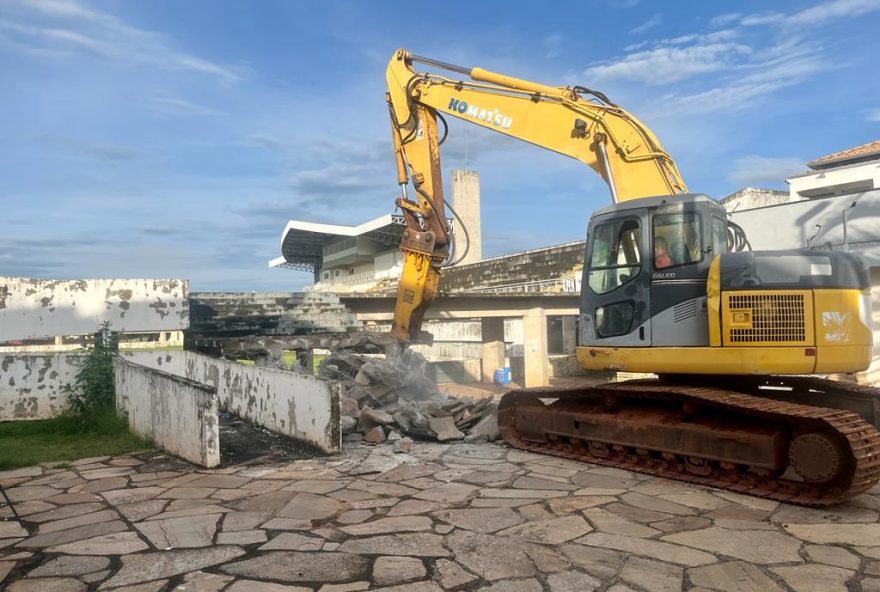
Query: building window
<point>326,275</point>
<point>350,272</point>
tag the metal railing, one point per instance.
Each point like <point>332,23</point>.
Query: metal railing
<point>551,286</point>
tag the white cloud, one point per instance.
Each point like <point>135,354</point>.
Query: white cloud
<point>172,106</point>
<point>762,18</point>
<point>63,28</point>
<point>553,44</point>
<point>815,15</point>
<point>757,171</point>
<point>873,115</point>
<point>744,90</point>
<point>649,24</point>
<point>663,65</point>
<point>734,67</point>
<point>835,9</point>
<point>723,20</point>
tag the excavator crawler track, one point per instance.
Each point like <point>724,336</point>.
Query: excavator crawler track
<point>738,441</point>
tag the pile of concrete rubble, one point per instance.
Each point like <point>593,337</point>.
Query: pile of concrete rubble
<point>390,400</point>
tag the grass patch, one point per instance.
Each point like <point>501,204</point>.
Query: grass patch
<point>26,443</point>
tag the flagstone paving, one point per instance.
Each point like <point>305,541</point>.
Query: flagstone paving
<point>456,517</point>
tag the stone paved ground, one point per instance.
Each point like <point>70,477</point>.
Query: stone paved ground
<point>445,517</point>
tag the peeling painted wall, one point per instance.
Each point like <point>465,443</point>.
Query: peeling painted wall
<point>30,385</point>
<point>295,405</point>
<point>179,415</point>
<point>38,309</point>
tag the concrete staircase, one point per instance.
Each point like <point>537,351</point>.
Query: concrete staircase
<point>237,314</point>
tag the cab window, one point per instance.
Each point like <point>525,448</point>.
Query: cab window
<point>719,236</point>
<point>677,240</point>
<point>614,255</point>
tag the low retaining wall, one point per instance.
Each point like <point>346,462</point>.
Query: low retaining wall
<point>179,415</point>
<point>30,385</point>
<point>295,405</point>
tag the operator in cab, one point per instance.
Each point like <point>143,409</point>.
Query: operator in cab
<point>661,253</point>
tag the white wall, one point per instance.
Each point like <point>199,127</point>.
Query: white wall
<point>179,415</point>
<point>788,226</point>
<point>38,309</point>
<point>296,405</point>
<point>30,385</point>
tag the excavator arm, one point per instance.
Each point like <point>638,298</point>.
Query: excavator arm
<point>573,121</point>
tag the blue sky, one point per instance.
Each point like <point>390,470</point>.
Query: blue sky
<point>175,139</point>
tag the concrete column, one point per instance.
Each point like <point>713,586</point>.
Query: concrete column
<point>466,201</point>
<point>569,334</point>
<point>493,346</point>
<point>537,366</point>
<point>59,340</point>
<point>307,358</point>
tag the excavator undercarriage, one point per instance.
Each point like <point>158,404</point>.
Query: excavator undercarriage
<point>748,437</point>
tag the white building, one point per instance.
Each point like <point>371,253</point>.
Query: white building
<point>366,257</point>
<point>344,258</point>
<point>847,172</point>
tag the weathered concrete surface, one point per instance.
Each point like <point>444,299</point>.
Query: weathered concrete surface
<point>179,415</point>
<point>534,266</point>
<point>233,314</point>
<point>445,517</point>
<point>296,405</point>
<point>38,308</point>
<point>30,384</point>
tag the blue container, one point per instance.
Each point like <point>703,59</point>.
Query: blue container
<point>502,375</point>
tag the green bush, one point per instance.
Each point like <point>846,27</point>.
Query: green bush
<point>93,392</point>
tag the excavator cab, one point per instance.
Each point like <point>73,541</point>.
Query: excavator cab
<point>662,294</point>
<point>647,261</point>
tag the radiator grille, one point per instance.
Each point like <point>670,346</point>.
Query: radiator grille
<point>775,318</point>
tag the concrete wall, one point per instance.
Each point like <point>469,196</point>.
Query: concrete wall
<point>30,385</point>
<point>752,197</point>
<point>179,415</point>
<point>234,314</point>
<point>38,309</point>
<point>790,225</point>
<point>520,268</point>
<point>295,405</point>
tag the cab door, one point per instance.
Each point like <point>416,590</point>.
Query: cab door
<point>615,306</point>
<point>682,250</point>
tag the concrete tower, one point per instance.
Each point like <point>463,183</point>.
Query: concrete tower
<point>466,201</point>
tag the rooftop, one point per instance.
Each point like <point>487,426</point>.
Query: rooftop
<point>302,243</point>
<point>869,151</point>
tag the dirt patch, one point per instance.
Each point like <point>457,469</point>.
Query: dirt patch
<point>245,443</point>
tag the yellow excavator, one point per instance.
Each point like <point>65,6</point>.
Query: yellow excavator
<point>670,287</point>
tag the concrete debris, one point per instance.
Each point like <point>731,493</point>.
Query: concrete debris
<point>348,423</point>
<point>385,399</point>
<point>374,435</point>
<point>403,445</point>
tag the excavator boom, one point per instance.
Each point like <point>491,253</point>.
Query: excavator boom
<point>573,121</point>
